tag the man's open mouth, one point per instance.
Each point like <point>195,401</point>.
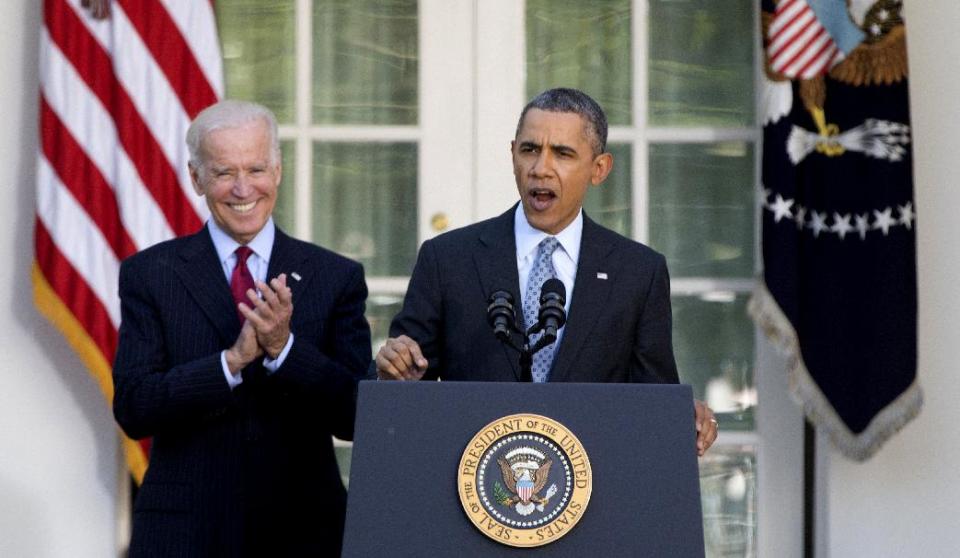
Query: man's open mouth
<point>541,198</point>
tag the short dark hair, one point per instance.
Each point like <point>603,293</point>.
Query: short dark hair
<point>563,99</point>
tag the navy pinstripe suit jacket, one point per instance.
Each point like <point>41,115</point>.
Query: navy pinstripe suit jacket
<point>247,472</point>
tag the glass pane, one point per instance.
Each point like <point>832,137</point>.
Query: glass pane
<point>585,45</point>
<point>381,308</point>
<point>701,208</point>
<point>610,203</point>
<point>701,62</point>
<point>259,55</point>
<point>365,62</point>
<point>713,342</point>
<point>365,203</point>
<point>344,455</point>
<point>283,212</point>
<point>728,492</point>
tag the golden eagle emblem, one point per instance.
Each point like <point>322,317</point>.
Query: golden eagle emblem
<point>525,471</point>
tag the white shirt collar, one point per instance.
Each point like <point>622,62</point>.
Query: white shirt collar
<point>528,238</point>
<point>262,244</point>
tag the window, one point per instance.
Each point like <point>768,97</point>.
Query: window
<point>342,78</point>
<point>396,118</point>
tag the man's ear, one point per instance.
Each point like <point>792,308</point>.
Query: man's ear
<point>602,165</point>
<point>195,178</point>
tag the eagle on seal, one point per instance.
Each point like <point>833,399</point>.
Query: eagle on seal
<point>525,476</point>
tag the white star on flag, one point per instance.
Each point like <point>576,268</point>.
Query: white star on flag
<point>781,209</point>
<point>863,225</point>
<point>818,223</point>
<point>801,217</point>
<point>841,225</point>
<point>883,220</point>
<point>906,215</point>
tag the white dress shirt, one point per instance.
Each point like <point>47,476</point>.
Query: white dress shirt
<point>257,264</point>
<point>565,258</point>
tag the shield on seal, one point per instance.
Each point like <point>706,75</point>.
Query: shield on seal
<point>525,490</point>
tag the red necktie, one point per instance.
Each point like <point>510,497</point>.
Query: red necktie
<point>241,280</point>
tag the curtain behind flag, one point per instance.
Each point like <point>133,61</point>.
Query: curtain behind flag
<point>839,288</point>
<point>116,98</point>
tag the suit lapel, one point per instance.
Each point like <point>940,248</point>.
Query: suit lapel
<point>496,262</point>
<point>202,274</point>
<point>287,257</point>
<point>589,297</point>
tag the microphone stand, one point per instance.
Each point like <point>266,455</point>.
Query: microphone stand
<point>525,350</point>
<point>502,317</point>
<point>526,363</point>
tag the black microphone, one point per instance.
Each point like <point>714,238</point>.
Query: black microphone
<point>501,314</point>
<point>553,297</point>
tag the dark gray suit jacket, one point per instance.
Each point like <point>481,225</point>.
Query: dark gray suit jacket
<point>247,472</point>
<point>618,328</point>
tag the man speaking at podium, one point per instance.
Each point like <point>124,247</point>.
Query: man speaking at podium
<point>618,326</point>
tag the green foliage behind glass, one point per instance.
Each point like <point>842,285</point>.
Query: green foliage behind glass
<point>610,203</point>
<point>365,62</point>
<point>259,52</point>
<point>702,208</point>
<point>584,45</point>
<point>365,203</point>
<point>284,214</point>
<point>713,343</point>
<point>701,63</point>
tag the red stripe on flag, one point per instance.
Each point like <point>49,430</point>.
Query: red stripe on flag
<point>171,52</point>
<point>74,292</point>
<point>816,58</point>
<point>145,444</point>
<point>796,37</point>
<point>84,180</point>
<point>94,66</point>
<point>800,53</point>
<point>803,11</point>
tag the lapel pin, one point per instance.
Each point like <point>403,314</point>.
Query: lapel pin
<point>601,275</point>
<point>295,275</point>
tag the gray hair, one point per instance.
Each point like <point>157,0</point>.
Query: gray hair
<point>564,99</point>
<point>229,113</point>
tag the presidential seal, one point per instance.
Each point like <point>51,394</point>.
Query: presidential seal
<point>524,480</point>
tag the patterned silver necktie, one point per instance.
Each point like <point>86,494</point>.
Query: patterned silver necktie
<point>542,270</point>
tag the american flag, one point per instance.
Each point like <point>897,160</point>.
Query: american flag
<point>116,97</point>
<point>799,45</point>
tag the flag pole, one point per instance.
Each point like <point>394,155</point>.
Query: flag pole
<point>809,487</point>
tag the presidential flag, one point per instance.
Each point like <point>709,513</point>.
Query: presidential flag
<point>839,288</point>
<point>120,83</point>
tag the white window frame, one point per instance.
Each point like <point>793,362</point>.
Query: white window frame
<point>471,86</point>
